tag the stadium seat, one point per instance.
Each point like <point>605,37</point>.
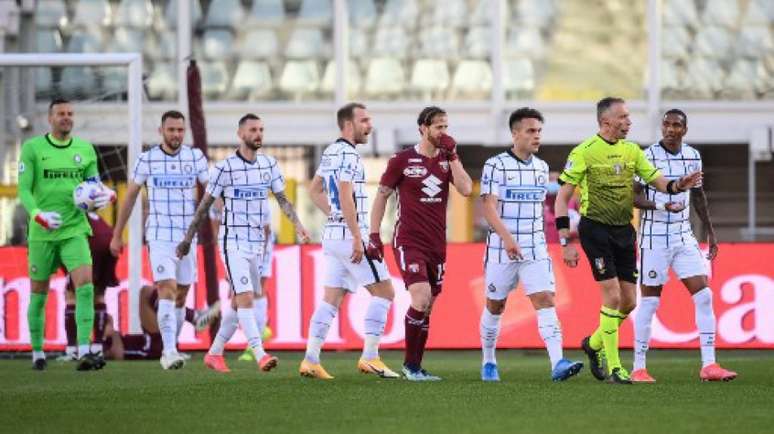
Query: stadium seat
<point>439,42</point>
<point>453,13</point>
<point>525,41</point>
<point>48,41</point>
<point>217,44</point>
<point>162,82</point>
<point>429,77</point>
<point>125,40</point>
<point>703,78</point>
<point>392,42</point>
<point>399,13</point>
<point>538,13</point>
<point>161,46</point>
<point>215,79</point>
<point>740,82</point>
<point>354,79</point>
<point>51,14</point>
<point>77,82</point>
<point>362,13</point>
<point>114,80</point>
<point>91,13</point>
<point>252,81</point>
<point>675,42</point>
<point>170,14</point>
<point>316,13</point>
<point>670,79</point>
<point>478,43</point>
<point>84,42</point>
<point>518,78</point>
<point>359,43</point>
<point>482,13</point>
<point>134,13</point>
<point>472,79</point>
<point>714,42</point>
<point>385,78</point>
<point>258,44</point>
<point>681,13</point>
<point>721,13</point>
<point>300,78</point>
<point>307,43</point>
<point>225,13</point>
<point>754,41</point>
<point>266,13</point>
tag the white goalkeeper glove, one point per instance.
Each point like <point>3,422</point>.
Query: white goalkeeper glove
<point>104,198</point>
<point>49,220</point>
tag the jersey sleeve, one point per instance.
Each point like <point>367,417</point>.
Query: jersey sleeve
<point>91,171</point>
<point>348,166</point>
<point>575,168</point>
<point>277,180</point>
<point>699,167</point>
<point>644,169</point>
<point>218,179</point>
<point>491,178</point>
<point>140,171</point>
<point>27,180</point>
<point>393,174</point>
<point>202,170</point>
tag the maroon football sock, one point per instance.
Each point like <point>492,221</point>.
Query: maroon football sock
<point>413,321</point>
<point>190,315</point>
<point>423,338</point>
<point>70,326</point>
<point>100,322</point>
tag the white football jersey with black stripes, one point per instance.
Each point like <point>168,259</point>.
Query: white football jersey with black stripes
<point>664,229</point>
<point>340,162</point>
<point>244,187</point>
<point>170,180</point>
<point>520,187</point>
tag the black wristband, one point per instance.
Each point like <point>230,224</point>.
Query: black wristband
<point>670,187</point>
<point>562,222</point>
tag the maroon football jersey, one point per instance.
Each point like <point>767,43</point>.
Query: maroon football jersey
<point>422,184</point>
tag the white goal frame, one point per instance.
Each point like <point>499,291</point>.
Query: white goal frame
<point>133,61</point>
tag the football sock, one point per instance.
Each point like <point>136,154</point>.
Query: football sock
<point>70,327</point>
<point>228,325</point>
<point>179,320</point>
<point>84,316</point>
<point>246,317</point>
<point>423,335</point>
<point>36,319</point>
<point>375,319</point>
<point>414,321</point>
<point>642,324</point>
<point>167,324</point>
<point>319,325</point>
<point>705,322</point>
<point>100,322</point>
<point>489,330</point>
<point>596,338</point>
<point>551,331</point>
<point>609,320</point>
<point>261,311</point>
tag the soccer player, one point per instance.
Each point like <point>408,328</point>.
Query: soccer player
<point>338,190</point>
<point>604,166</point>
<point>51,167</point>
<point>169,172</point>
<point>514,185</point>
<point>243,181</point>
<point>667,241</point>
<point>421,175</point>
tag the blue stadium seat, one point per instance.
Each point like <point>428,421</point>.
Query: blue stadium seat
<point>362,13</point>
<point>266,13</point>
<point>318,13</point>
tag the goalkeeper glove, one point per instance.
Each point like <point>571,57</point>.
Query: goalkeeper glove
<point>104,198</point>
<point>49,220</point>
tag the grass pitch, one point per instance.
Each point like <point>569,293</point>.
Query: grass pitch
<point>139,397</point>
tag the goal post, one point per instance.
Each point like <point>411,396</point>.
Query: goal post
<point>134,88</point>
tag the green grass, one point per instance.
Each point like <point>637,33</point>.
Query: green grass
<point>139,397</point>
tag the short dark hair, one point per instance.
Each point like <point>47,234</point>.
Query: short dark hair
<point>174,114</point>
<point>524,113</point>
<point>428,113</point>
<point>678,112</point>
<point>605,103</point>
<point>248,117</point>
<point>347,113</point>
<point>57,101</point>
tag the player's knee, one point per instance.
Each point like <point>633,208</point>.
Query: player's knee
<point>495,307</point>
<point>626,306</point>
<point>542,300</point>
<point>383,289</point>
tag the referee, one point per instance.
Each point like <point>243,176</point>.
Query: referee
<point>603,167</point>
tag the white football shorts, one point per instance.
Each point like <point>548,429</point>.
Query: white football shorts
<point>165,264</point>
<point>534,275</point>
<point>243,269</point>
<point>340,272</point>
<point>685,260</point>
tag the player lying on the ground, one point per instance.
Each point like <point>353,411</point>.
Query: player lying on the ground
<point>667,241</point>
<point>513,188</point>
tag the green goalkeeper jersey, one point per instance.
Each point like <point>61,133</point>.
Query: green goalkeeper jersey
<point>604,172</point>
<point>49,171</point>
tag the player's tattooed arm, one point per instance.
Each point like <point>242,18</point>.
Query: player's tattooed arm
<point>202,214</point>
<point>290,211</point>
<point>378,208</point>
<point>699,202</point>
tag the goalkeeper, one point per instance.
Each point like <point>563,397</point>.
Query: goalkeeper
<point>50,169</point>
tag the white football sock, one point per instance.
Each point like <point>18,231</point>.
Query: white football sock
<point>38,355</point>
<point>228,325</point>
<point>705,322</point>
<point>642,322</point>
<point>375,319</point>
<point>167,325</point>
<point>83,350</point>
<point>489,329</point>
<point>96,348</point>
<point>250,329</point>
<point>179,319</point>
<point>319,325</point>
<point>261,311</point>
<point>551,331</point>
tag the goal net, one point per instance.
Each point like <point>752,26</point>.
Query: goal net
<point>106,92</point>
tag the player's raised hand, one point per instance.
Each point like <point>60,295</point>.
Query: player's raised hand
<point>713,247</point>
<point>674,207</point>
<point>375,248</point>
<point>689,181</point>
<point>49,220</point>
<point>512,249</point>
<point>183,248</point>
<point>570,256</point>
<point>357,250</point>
<point>116,246</point>
<point>303,234</point>
<point>448,145</point>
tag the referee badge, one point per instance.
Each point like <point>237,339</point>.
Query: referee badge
<point>617,169</point>
<point>599,263</point>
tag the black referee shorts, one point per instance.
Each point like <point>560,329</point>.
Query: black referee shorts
<point>611,250</point>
